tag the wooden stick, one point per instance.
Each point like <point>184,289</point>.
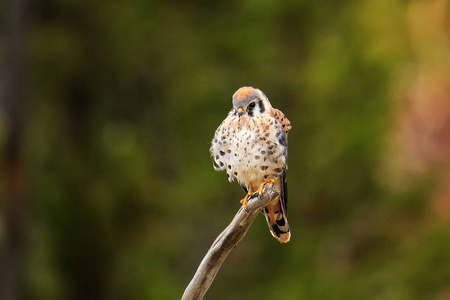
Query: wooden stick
<point>226,242</point>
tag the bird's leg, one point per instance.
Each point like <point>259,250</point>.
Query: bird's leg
<point>261,186</point>
<point>249,194</point>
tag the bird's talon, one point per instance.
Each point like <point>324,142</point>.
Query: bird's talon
<point>245,201</point>
<point>247,197</point>
<point>261,186</point>
<point>244,204</point>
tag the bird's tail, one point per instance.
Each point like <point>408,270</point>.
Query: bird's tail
<point>276,216</point>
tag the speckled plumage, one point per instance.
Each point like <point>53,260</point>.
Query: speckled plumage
<point>251,146</point>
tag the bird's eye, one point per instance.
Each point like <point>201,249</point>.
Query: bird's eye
<point>252,105</point>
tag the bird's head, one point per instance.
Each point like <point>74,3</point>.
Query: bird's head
<point>248,101</point>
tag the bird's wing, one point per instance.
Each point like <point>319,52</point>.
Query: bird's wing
<point>281,118</point>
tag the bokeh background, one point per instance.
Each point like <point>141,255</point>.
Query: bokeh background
<point>108,108</point>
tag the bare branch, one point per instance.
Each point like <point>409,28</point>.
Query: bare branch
<point>226,242</point>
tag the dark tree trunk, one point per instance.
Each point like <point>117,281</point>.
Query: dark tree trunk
<point>12,103</point>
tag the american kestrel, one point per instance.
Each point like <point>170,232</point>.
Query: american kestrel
<point>251,146</point>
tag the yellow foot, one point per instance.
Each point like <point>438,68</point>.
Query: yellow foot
<point>261,186</point>
<point>245,200</point>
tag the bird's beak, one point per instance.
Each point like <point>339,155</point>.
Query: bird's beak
<point>241,111</point>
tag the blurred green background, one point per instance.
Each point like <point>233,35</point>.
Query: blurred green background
<point>107,188</point>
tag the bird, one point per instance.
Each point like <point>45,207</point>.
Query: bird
<point>251,145</point>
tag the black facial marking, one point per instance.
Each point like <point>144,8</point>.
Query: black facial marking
<point>263,168</point>
<point>250,108</point>
<point>222,153</point>
<point>277,170</point>
<point>261,106</point>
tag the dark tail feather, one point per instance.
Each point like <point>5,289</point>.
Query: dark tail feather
<point>276,217</point>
